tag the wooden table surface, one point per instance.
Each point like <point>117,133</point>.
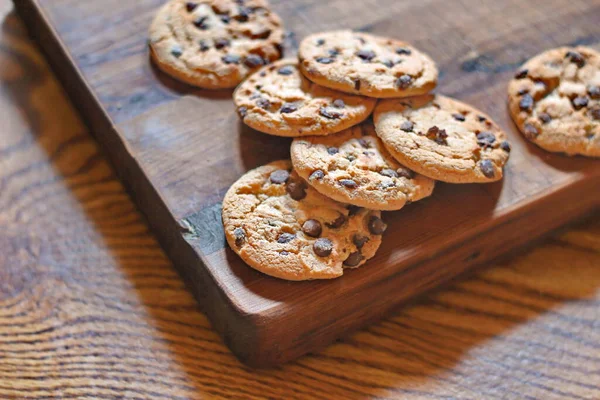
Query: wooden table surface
<point>90,307</point>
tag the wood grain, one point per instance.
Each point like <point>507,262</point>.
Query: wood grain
<point>90,307</point>
<point>178,149</point>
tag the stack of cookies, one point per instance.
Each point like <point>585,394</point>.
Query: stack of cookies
<point>319,213</point>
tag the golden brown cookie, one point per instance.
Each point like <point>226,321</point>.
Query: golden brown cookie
<point>280,101</point>
<point>354,167</point>
<point>215,44</point>
<point>554,99</point>
<point>443,138</point>
<point>370,65</point>
<point>281,226</point>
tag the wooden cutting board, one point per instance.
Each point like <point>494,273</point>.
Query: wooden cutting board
<point>178,149</point>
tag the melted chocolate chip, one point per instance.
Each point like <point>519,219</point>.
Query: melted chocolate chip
<point>349,183</point>
<point>403,50</point>
<point>404,81</point>
<point>405,173</point>
<point>526,103</point>
<point>286,238</point>
<point>522,74</point>
<point>359,240</point>
<point>486,139</point>
<point>325,60</point>
<point>296,190</point>
<point>240,236</point>
<point>366,55</point>
<point>579,102</point>
<point>285,70</point>
<point>458,117</point>
<point>353,259</point>
<point>530,131</point>
<point>332,150</point>
<point>505,146</point>
<point>407,126</point>
<point>353,210</point>
<point>339,103</point>
<point>594,92</point>
<point>323,247</point>
<point>201,23</point>
<point>263,103</point>
<point>487,168</point>
<point>190,6</point>
<point>329,114</point>
<point>390,173</point>
<point>545,118</point>
<point>253,61</point>
<point>279,176</point>
<point>376,225</point>
<point>288,108</point>
<point>337,223</point>
<point>575,58</point>
<point>243,111</point>
<point>312,228</point>
<point>221,43</point>
<point>318,175</point>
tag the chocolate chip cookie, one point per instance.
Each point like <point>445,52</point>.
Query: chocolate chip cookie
<point>354,167</point>
<point>281,226</point>
<point>370,65</point>
<point>280,101</point>
<point>442,138</point>
<point>215,43</point>
<point>554,99</point>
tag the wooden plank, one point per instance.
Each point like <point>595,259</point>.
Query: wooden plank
<point>178,149</point>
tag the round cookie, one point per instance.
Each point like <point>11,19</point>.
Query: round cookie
<point>280,101</point>
<point>354,167</point>
<point>214,44</point>
<point>554,99</point>
<point>360,63</point>
<point>282,227</point>
<point>442,138</point>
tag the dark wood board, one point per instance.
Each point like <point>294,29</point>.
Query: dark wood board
<point>178,149</point>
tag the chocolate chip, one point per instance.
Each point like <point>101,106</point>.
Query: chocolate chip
<point>350,157</point>
<point>318,175</point>
<point>240,236</point>
<point>243,14</point>
<point>329,114</point>
<point>526,103</point>
<point>407,126</point>
<point>203,45</point>
<point>486,139</point>
<point>332,150</point>
<point>364,143</point>
<point>353,210</point>
<point>279,176</point>
<point>404,81</point>
<point>325,60</point>
<point>522,91</point>
<point>339,103</point>
<point>357,84</point>
<point>437,135</point>
<point>349,183</point>
<point>296,190</point>
<point>176,51</point>
<point>522,74</point>
<point>287,108</point>
<point>312,228</point>
<point>366,55</point>
<point>253,61</point>
<point>221,43</point>
<point>337,223</point>
<point>403,50</point>
<point>243,111</point>
<point>323,247</point>
<point>481,118</point>
<point>595,112</point>
<point>487,167</point>
<point>594,92</point>
<point>530,131</point>
<point>376,225</point>
<point>225,19</point>
<point>320,42</point>
<point>263,103</point>
<point>579,102</point>
<point>284,253</point>
<point>405,173</point>
<point>575,58</point>
<point>458,117</point>
<point>286,238</point>
<point>359,240</point>
<point>201,23</point>
<point>505,146</point>
<point>190,6</point>
<point>333,52</point>
<point>353,259</point>
<point>285,70</point>
<point>390,173</point>
<point>388,63</point>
